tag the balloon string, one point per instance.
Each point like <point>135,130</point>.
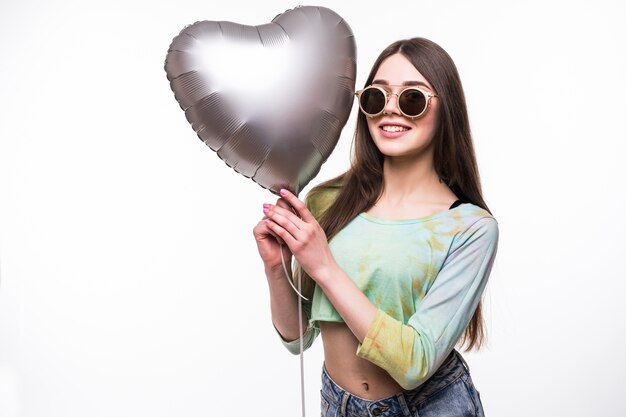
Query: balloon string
<point>300,330</point>
<point>298,291</point>
<point>301,343</point>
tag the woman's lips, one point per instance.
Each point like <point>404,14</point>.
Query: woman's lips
<point>392,130</point>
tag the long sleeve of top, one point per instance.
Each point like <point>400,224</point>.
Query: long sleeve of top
<point>425,275</point>
<point>310,333</point>
<point>411,352</point>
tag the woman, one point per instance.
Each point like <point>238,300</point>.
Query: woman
<point>394,253</point>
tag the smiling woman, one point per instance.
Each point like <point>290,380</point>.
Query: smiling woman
<point>395,253</point>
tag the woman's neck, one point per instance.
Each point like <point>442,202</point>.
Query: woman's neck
<point>413,181</point>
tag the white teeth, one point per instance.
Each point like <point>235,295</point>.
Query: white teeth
<point>389,128</point>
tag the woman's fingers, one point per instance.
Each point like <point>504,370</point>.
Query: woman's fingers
<point>281,202</point>
<point>298,205</point>
<point>271,232</point>
<point>286,219</point>
<point>282,232</point>
<point>282,220</point>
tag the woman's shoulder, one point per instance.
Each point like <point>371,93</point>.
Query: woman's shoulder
<point>320,198</point>
<point>471,212</point>
<point>472,219</point>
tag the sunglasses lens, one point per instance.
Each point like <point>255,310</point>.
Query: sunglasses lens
<point>412,102</point>
<point>372,101</point>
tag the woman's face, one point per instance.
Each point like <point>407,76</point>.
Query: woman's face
<point>394,134</point>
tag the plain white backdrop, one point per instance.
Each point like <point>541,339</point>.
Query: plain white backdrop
<point>130,283</point>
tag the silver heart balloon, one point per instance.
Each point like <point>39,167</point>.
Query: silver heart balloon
<point>270,100</point>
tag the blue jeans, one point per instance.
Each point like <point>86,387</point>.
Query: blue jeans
<point>448,392</point>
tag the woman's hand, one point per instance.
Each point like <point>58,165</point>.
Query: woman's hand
<point>303,235</point>
<point>268,243</point>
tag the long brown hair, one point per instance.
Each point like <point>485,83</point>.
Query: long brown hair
<point>337,201</point>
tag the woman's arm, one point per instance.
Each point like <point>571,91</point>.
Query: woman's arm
<point>283,300</point>
<point>308,243</point>
<point>284,305</point>
<point>353,306</point>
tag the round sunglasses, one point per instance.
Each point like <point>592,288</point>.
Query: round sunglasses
<point>412,101</point>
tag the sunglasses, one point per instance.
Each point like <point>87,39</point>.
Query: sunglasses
<point>412,101</point>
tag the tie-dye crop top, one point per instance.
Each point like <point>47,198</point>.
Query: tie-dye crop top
<point>425,275</point>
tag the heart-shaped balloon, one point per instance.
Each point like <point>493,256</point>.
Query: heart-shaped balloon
<point>270,100</point>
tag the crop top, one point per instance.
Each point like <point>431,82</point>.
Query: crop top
<point>425,275</point>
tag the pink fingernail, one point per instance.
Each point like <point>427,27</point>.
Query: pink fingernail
<point>266,209</point>
<point>265,205</point>
<point>283,191</point>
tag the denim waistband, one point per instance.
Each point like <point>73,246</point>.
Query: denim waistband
<point>401,403</point>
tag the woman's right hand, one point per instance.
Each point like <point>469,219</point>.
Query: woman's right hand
<point>269,244</point>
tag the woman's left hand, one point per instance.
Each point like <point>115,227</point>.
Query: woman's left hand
<point>303,235</point>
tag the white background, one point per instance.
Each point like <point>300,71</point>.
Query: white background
<point>130,280</point>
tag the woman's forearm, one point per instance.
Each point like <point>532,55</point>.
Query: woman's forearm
<point>284,305</point>
<point>352,305</point>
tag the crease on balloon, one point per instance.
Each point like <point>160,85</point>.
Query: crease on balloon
<point>168,67</point>
<point>326,120</point>
<point>198,124</point>
<point>259,33</point>
<point>269,151</point>
<point>191,36</point>
<point>313,174</point>
<point>283,29</point>
<point>176,95</point>
<point>262,160</point>
<point>236,162</point>
<point>188,82</point>
<point>235,132</point>
<point>319,152</point>
<point>225,142</point>
<point>313,19</point>
<point>176,48</point>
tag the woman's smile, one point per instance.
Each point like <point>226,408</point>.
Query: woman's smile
<point>391,130</point>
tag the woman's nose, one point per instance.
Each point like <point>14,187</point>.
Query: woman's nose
<point>392,104</point>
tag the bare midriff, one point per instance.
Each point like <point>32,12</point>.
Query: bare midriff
<point>355,375</point>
